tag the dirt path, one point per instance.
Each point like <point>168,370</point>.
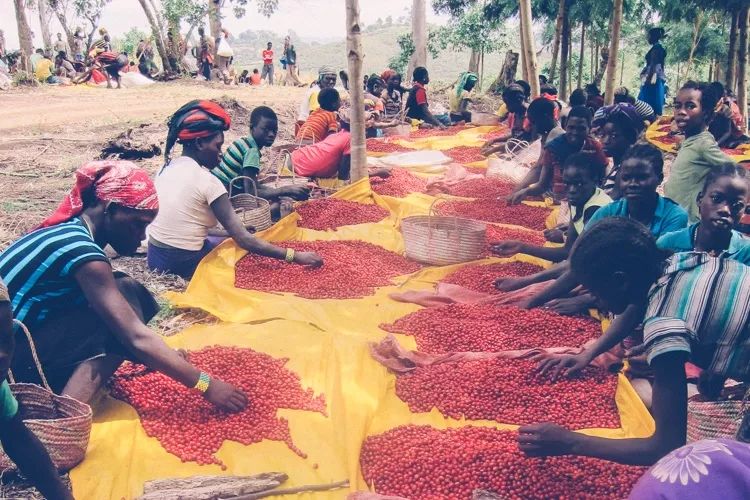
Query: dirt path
<point>62,110</point>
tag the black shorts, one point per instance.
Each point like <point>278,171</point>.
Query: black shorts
<point>68,338</point>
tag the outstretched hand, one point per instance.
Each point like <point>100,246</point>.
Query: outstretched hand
<point>567,365</point>
<point>225,396</point>
<point>507,248</point>
<point>540,440</point>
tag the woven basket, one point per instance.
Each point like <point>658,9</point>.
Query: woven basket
<point>278,180</point>
<point>441,241</point>
<point>62,424</point>
<point>252,210</point>
<point>481,118</point>
<point>402,130</point>
<point>716,419</point>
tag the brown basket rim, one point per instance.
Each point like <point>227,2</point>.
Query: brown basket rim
<point>85,409</point>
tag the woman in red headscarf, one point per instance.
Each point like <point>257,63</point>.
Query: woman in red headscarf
<point>83,318</point>
<point>193,200</point>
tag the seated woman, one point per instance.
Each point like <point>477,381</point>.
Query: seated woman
<point>575,139</point>
<point>693,110</point>
<point>460,97</point>
<point>85,319</point>
<point>721,204</point>
<point>416,104</point>
<point>620,127</point>
<point>695,310</point>
<point>518,127</point>
<point>581,177</point>
<point>322,121</point>
<point>727,123</point>
<point>193,200</point>
<point>640,175</point>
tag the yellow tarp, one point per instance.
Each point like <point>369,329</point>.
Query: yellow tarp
<point>326,342</point>
<point>661,128</point>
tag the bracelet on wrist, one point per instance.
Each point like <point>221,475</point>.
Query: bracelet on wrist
<point>203,382</point>
<point>289,255</point>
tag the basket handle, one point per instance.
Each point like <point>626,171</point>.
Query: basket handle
<point>429,226</point>
<point>34,355</point>
<point>243,177</point>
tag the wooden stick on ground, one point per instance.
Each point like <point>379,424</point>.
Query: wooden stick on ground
<point>292,491</point>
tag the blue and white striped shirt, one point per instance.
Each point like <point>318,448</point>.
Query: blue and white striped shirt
<point>701,305</point>
<point>38,269</point>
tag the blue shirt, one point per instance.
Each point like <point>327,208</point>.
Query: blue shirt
<point>668,215</point>
<point>684,241</point>
<point>39,270</point>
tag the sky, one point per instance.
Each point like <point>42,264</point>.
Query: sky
<point>307,18</point>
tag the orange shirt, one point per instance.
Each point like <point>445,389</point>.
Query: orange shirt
<point>319,124</point>
<point>255,79</point>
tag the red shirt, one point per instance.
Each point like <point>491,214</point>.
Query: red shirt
<point>323,158</point>
<point>268,57</point>
<point>420,94</point>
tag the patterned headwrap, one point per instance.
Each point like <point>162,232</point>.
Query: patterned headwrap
<point>196,119</point>
<point>624,110</point>
<point>120,182</point>
<point>463,79</point>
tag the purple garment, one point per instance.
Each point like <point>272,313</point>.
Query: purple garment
<point>177,261</point>
<point>711,469</point>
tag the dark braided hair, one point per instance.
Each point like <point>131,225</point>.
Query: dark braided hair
<point>617,245</point>
<point>372,81</point>
<point>724,169</point>
<point>581,112</point>
<point>649,153</point>
<point>594,169</point>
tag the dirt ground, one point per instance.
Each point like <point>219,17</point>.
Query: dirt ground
<point>47,132</point>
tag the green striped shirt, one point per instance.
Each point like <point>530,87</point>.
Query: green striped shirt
<point>701,305</point>
<point>242,153</point>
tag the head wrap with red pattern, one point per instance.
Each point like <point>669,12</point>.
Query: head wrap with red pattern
<point>196,119</point>
<point>120,182</point>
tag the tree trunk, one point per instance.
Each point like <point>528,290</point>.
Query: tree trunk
<point>418,35</point>
<point>622,68</point>
<point>614,47</point>
<point>507,73</point>
<point>214,17</point>
<point>474,61</point>
<point>481,71</point>
<point>556,43</point>
<point>357,122</point>
<point>570,61</point>
<point>44,19</point>
<point>597,52</point>
<point>592,61</point>
<point>603,63</point>
<point>742,64</point>
<point>24,35</point>
<point>732,56</point>
<point>524,66</point>
<point>694,43</point>
<point>582,54</point>
<point>564,57</point>
<point>528,46</point>
<point>717,71</point>
<point>158,39</point>
<point>64,23</point>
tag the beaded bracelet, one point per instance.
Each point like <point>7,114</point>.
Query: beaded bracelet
<point>203,381</point>
<point>289,255</point>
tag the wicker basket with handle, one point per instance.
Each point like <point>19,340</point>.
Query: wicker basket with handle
<point>252,210</point>
<point>62,424</point>
<point>441,241</point>
<point>278,180</point>
<point>717,419</point>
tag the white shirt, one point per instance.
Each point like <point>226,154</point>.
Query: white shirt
<point>304,107</point>
<point>186,191</point>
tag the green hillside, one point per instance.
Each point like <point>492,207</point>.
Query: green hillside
<point>379,46</point>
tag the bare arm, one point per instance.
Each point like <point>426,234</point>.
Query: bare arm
<point>428,117</point>
<point>670,415</point>
<point>99,287</point>
<point>225,214</point>
<point>511,284</point>
<point>564,283</point>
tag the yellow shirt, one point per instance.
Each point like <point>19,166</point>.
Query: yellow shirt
<point>502,111</point>
<point>43,69</point>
